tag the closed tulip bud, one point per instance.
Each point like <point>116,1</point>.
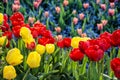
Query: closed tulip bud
<point>1,18</point>
<point>79,31</point>
<point>104,22</point>
<point>2,40</point>
<point>14,57</point>
<point>40,49</point>
<point>46,14</point>
<point>57,9</point>
<point>74,12</point>
<point>97,1</point>
<point>17,2</point>
<point>33,59</point>
<point>31,45</point>
<point>103,6</point>
<point>112,4</point>
<point>59,37</point>
<point>111,12</point>
<point>31,20</point>
<point>9,72</point>
<point>100,26</point>
<point>86,5</point>
<point>50,48</point>
<point>81,16</point>
<point>58,29</point>
<point>36,4</point>
<point>65,2</point>
<point>75,20</point>
<point>15,7</point>
<point>25,32</point>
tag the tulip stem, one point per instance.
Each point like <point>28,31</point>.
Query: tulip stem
<point>26,74</point>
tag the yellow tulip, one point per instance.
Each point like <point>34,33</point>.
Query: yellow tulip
<point>75,41</point>
<point>40,49</point>
<point>33,59</point>
<point>2,40</point>
<point>1,18</point>
<point>50,48</point>
<point>25,33</point>
<point>9,72</point>
<point>14,57</point>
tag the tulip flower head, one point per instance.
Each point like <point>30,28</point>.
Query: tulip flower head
<point>33,59</point>
<point>40,49</point>
<point>57,9</point>
<point>50,48</point>
<point>1,18</point>
<point>9,72</point>
<point>14,57</point>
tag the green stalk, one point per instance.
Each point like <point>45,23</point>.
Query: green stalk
<point>26,74</point>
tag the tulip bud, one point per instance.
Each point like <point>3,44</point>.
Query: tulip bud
<point>31,20</point>
<point>40,49</point>
<point>84,35</point>
<point>100,26</point>
<point>59,37</point>
<point>58,29</point>
<point>2,40</point>
<point>103,6</point>
<point>57,9</point>
<point>86,5</point>
<point>79,31</point>
<point>50,48</point>
<point>97,1</point>
<point>112,4</point>
<point>75,20</point>
<point>65,2</point>
<point>46,14</point>
<point>74,12</point>
<point>9,72</point>
<point>14,57</point>
<point>36,4</point>
<point>104,22</point>
<point>111,12</point>
<point>33,59</point>
<point>81,16</point>
<point>5,1</point>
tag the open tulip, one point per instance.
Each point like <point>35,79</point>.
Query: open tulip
<point>50,48</point>
<point>9,72</point>
<point>14,57</point>
<point>33,59</point>
<point>40,49</point>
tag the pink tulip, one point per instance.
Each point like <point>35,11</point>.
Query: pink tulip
<point>103,6</point>
<point>57,9</point>
<point>74,12</point>
<point>59,37</point>
<point>79,31</point>
<point>100,26</point>
<point>17,2</point>
<point>104,22</point>
<point>111,12</point>
<point>112,5</point>
<point>65,2</point>
<point>36,4</point>
<point>5,1</point>
<point>81,16</point>
<point>97,1</point>
<point>58,29</point>
<point>86,5</point>
<point>31,20</point>
<point>15,7</point>
<point>75,20</point>
<point>46,14</point>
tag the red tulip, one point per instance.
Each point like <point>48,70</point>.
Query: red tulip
<point>60,44</point>
<point>67,42</point>
<point>31,46</point>
<point>76,54</point>
<point>34,32</point>
<point>115,66</point>
<point>94,53</point>
<point>116,38</point>
<point>8,34</point>
<point>16,31</point>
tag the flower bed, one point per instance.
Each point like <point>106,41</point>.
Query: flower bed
<point>59,40</point>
